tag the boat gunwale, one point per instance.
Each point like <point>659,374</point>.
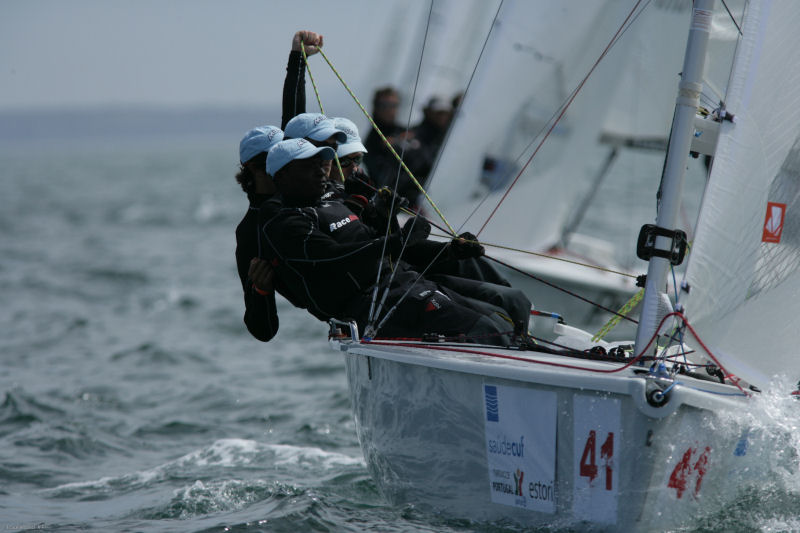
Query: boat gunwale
<point>631,381</point>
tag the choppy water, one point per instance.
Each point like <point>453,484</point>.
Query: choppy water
<point>131,396</point>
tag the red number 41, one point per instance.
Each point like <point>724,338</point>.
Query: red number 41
<point>588,465</point>
<point>678,480</point>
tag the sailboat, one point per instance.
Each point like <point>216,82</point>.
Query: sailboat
<point>623,436</point>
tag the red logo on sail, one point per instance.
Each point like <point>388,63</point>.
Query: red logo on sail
<point>773,223</point>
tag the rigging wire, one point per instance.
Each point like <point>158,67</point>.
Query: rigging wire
<point>518,159</point>
<point>620,31</point>
<point>562,289</point>
<point>626,25</point>
<point>546,256</point>
<point>373,312</point>
<point>733,19</point>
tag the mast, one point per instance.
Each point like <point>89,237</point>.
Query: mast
<point>680,140</point>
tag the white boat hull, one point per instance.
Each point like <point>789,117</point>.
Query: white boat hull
<point>429,438</point>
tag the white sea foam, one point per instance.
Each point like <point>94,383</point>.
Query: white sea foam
<point>317,457</point>
<point>226,453</point>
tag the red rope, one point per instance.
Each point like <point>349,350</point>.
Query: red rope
<point>573,367</point>
<point>561,114</point>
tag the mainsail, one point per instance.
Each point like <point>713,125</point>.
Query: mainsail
<point>744,270</point>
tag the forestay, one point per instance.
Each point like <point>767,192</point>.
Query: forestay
<point>743,271</point>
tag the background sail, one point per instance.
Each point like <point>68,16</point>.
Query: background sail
<point>536,55</point>
<point>745,290</point>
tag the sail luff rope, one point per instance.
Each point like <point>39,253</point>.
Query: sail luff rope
<point>563,111</point>
<point>389,145</point>
<point>319,100</point>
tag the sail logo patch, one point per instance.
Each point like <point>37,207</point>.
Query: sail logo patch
<point>773,222</point>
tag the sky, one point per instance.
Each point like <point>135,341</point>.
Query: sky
<point>189,53</point>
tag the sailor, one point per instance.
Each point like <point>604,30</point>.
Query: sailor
<point>257,275</point>
<point>379,161</point>
<point>318,129</point>
<point>429,136</point>
<point>330,265</point>
<point>294,85</point>
<point>462,268</point>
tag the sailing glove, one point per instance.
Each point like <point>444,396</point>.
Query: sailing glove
<point>416,229</point>
<point>466,246</point>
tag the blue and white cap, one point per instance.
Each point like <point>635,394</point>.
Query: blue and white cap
<point>353,142</point>
<point>314,126</point>
<point>258,140</point>
<point>287,151</point>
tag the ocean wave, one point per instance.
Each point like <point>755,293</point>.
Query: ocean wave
<point>222,454</point>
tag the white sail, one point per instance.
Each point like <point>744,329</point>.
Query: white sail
<point>744,271</point>
<point>536,55</point>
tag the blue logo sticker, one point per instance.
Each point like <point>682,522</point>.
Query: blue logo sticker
<point>741,446</point>
<point>492,408</point>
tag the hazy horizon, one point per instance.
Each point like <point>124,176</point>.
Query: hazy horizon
<point>176,53</point>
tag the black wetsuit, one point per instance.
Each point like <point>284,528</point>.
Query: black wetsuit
<point>381,164</point>
<point>329,258</point>
<point>420,159</point>
<point>294,88</point>
<point>465,276</point>
<point>261,314</point>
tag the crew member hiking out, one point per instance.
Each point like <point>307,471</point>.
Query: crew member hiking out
<point>330,262</point>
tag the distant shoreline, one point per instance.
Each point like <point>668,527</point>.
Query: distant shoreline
<point>135,124</point>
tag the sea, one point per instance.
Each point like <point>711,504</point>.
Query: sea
<point>132,398</point>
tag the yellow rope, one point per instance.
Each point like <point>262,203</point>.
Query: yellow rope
<point>319,100</point>
<point>624,310</point>
<point>308,69</point>
<point>603,331</point>
<point>388,144</point>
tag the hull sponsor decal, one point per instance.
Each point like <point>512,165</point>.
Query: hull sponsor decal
<point>521,446</point>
